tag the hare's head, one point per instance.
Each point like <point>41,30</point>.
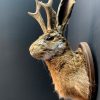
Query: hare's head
<point>52,42</point>
<point>48,45</point>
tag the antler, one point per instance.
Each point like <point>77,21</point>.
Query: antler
<point>51,14</point>
<point>38,16</point>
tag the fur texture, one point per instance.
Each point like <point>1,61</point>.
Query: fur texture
<point>67,68</point>
<point>69,75</point>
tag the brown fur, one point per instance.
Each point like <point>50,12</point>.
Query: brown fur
<point>67,68</point>
<point>69,75</point>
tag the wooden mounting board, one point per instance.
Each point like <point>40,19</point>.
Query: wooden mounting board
<point>90,65</point>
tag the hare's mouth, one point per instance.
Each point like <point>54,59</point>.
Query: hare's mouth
<point>37,55</point>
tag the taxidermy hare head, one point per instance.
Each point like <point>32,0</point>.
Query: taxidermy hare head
<point>52,42</point>
<point>68,68</point>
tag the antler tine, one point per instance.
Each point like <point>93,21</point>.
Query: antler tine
<point>38,16</point>
<point>51,15</point>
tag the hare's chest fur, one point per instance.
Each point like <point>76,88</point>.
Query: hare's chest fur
<point>69,75</point>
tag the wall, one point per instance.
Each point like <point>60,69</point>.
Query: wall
<point>21,76</point>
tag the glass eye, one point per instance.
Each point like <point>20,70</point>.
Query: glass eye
<point>48,38</point>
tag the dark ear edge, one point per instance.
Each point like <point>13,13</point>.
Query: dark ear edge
<point>64,12</point>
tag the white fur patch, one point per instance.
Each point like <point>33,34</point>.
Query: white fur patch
<point>60,45</point>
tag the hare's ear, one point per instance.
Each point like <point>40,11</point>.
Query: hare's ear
<point>64,12</point>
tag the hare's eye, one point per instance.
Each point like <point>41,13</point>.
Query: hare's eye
<point>48,38</point>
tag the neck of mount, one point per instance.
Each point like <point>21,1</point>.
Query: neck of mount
<point>56,62</point>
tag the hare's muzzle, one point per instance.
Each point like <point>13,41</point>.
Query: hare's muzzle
<point>31,50</point>
<point>36,52</point>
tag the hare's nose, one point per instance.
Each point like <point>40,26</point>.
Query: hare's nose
<point>31,48</point>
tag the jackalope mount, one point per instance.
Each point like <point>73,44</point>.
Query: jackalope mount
<point>72,72</point>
